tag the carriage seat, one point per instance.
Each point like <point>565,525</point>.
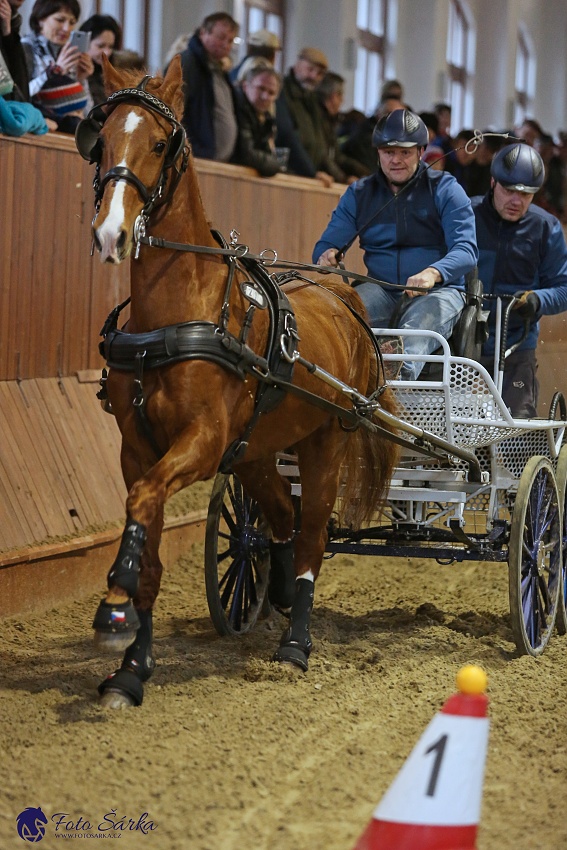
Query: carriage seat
<point>470,331</point>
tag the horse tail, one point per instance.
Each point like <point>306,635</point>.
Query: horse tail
<point>370,460</point>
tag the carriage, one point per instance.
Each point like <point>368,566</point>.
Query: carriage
<point>221,367</point>
<point>491,488</point>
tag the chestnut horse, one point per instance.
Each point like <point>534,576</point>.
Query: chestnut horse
<point>179,412</point>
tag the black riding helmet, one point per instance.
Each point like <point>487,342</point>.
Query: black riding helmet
<point>401,128</point>
<point>518,167</point>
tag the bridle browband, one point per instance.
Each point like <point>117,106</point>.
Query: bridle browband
<point>87,139</point>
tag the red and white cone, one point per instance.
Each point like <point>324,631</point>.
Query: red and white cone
<point>434,801</point>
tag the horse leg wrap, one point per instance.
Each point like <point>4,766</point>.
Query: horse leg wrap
<point>295,644</point>
<point>281,585</point>
<point>137,666</point>
<point>125,570</point>
<point>139,657</point>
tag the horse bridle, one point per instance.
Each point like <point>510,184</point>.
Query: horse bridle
<point>89,145</point>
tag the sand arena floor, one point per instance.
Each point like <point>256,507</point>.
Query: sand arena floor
<point>231,752</point>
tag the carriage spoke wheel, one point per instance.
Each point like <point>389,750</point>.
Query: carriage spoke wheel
<point>534,557</point>
<point>237,557</point>
<point>561,476</point>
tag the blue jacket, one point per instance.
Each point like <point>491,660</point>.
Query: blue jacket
<point>199,99</point>
<point>429,224</point>
<point>529,254</point>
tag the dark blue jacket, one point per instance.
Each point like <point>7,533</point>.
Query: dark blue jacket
<point>529,254</point>
<point>199,99</point>
<point>429,224</point>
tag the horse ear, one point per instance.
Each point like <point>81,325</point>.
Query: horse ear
<point>112,81</point>
<point>170,91</point>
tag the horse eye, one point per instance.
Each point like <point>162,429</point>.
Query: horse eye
<point>160,147</point>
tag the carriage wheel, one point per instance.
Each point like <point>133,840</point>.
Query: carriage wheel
<point>561,476</point>
<point>534,557</point>
<point>237,558</point>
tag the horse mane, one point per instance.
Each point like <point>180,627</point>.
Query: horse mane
<point>346,292</point>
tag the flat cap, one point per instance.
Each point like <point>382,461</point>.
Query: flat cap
<point>263,38</point>
<point>315,56</point>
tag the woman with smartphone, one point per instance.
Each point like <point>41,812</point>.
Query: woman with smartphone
<point>105,37</point>
<point>58,67</point>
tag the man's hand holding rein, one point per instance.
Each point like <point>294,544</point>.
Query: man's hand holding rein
<point>423,281</point>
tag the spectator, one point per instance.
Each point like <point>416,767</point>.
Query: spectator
<point>12,50</point>
<point>359,145</point>
<point>461,158</point>
<point>260,44</point>
<point>177,46</point>
<point>330,94</point>
<point>57,71</point>
<point>425,240</point>
<point>550,196</point>
<point>209,111</point>
<point>106,37</point>
<point>522,252</point>
<point>391,90</point>
<point>443,139</point>
<point>131,60</point>
<point>478,173</point>
<point>255,98</point>
<point>529,132</point>
<point>433,154</point>
<point>297,116</point>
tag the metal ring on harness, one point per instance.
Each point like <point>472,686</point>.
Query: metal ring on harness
<point>274,258</point>
<point>292,356</point>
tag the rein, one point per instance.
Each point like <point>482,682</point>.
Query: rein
<point>240,251</point>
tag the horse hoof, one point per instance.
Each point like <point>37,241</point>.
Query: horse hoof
<point>116,617</point>
<point>122,689</point>
<point>113,643</point>
<point>116,700</point>
<point>292,656</point>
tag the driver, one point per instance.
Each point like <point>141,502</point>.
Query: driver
<point>522,252</point>
<point>416,228</point>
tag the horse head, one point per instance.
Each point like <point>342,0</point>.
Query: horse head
<point>140,150</point>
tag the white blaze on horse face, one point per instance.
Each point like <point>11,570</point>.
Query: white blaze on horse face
<point>112,227</point>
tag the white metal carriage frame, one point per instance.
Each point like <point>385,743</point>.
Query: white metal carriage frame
<point>434,509</point>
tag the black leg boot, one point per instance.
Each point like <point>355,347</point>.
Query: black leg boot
<point>295,644</point>
<point>137,666</point>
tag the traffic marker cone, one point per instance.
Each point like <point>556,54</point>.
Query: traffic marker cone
<point>434,801</point>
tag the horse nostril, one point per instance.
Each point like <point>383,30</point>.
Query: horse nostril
<point>121,241</point>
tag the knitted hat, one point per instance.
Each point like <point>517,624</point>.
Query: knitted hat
<point>264,38</point>
<point>62,94</point>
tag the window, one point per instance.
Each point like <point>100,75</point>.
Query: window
<point>525,75</point>
<point>460,64</point>
<point>260,15</point>
<point>373,20</point>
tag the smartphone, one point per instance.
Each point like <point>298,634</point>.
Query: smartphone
<point>81,40</point>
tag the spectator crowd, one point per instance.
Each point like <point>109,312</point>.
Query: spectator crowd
<point>249,113</point>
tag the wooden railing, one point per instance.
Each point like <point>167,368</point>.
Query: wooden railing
<point>54,296</point>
